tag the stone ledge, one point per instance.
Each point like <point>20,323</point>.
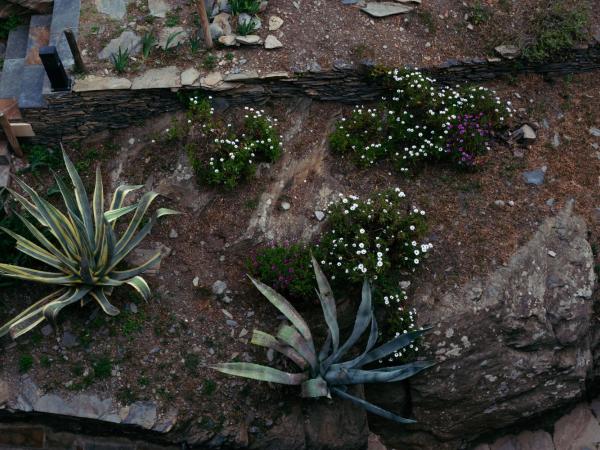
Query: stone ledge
<point>96,83</point>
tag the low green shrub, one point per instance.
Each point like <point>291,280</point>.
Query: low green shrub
<point>372,238</point>
<point>226,154</point>
<point>286,268</point>
<point>555,29</point>
<point>418,123</point>
<point>244,6</point>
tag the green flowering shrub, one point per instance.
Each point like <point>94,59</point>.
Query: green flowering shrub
<point>372,238</point>
<point>287,268</point>
<point>415,124</point>
<point>226,154</point>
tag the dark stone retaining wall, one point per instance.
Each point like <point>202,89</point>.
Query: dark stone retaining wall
<point>72,115</point>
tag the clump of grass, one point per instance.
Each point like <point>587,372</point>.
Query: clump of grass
<point>555,29</point>
<point>208,387</point>
<point>244,6</point>
<point>195,42</point>
<point>172,19</point>
<point>479,13</point>
<point>427,18</point>
<point>148,42</point>
<point>120,60</point>
<point>246,28</point>
<point>209,61</point>
<point>25,363</point>
<point>102,368</point>
<point>171,41</point>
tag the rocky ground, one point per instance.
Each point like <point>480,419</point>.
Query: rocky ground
<point>309,35</point>
<point>147,365</point>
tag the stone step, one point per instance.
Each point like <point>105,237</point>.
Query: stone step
<point>65,15</point>
<point>39,36</point>
<point>12,74</point>
<point>16,46</point>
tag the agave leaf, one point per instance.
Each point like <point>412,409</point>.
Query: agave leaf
<point>292,337</point>
<point>266,340</point>
<point>286,309</point>
<point>315,387</point>
<point>130,273</point>
<point>35,251</point>
<point>50,247</point>
<point>80,197</point>
<point>51,310</point>
<point>357,362</point>
<point>136,220</point>
<point>261,373</point>
<point>140,285</point>
<point>106,306</point>
<point>24,315</point>
<point>355,376</point>
<point>362,321</point>
<point>392,346</point>
<point>68,199</point>
<point>121,193</point>
<point>113,215</point>
<point>370,407</point>
<point>328,304</point>
<point>24,273</point>
<point>326,348</point>
<point>98,207</point>
<point>28,206</point>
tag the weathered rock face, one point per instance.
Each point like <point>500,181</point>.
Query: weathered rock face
<point>510,346</point>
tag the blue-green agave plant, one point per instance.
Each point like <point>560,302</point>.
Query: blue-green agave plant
<point>324,373</point>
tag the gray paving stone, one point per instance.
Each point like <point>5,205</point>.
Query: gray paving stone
<point>10,86</point>
<point>65,15</point>
<point>32,86</point>
<point>16,46</point>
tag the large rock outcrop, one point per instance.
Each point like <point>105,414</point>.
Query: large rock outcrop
<point>510,346</point>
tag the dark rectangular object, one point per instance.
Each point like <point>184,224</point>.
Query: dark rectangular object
<point>57,75</point>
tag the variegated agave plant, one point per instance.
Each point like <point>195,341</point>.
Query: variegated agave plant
<point>81,245</point>
<point>325,373</point>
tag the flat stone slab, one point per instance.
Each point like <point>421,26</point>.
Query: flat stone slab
<point>251,39</point>
<point>128,40</point>
<point>173,36</point>
<point>159,8</point>
<point>189,76</point>
<point>242,76</point>
<point>166,77</point>
<point>96,83</point>
<point>271,42</point>
<point>115,9</point>
<point>384,9</point>
<point>142,414</point>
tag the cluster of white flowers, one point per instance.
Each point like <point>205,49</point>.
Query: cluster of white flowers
<point>414,123</point>
<point>367,241</point>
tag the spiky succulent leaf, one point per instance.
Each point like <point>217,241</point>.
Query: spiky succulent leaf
<point>370,407</point>
<point>292,337</point>
<point>266,340</point>
<point>356,376</point>
<point>315,387</point>
<point>328,304</point>
<point>364,316</point>
<point>392,346</point>
<point>285,308</point>
<point>261,373</point>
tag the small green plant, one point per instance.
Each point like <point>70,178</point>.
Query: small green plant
<point>229,56</point>
<point>83,248</point>
<point>172,19</point>
<point>120,60</point>
<point>148,43</point>
<point>41,157</point>
<point>195,42</point>
<point>555,29</point>
<point>209,387</point>
<point>225,155</point>
<point>192,361</point>
<point>324,373</point>
<point>479,13</point>
<point>209,61</point>
<point>372,238</point>
<point>428,20</point>
<point>246,28</point>
<point>102,368</point>
<point>244,6</point>
<point>286,268</point>
<point>172,41</point>
<point>25,363</point>
<point>45,361</point>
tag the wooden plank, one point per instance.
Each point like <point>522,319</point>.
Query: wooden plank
<point>12,139</point>
<point>22,129</point>
<point>10,108</point>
